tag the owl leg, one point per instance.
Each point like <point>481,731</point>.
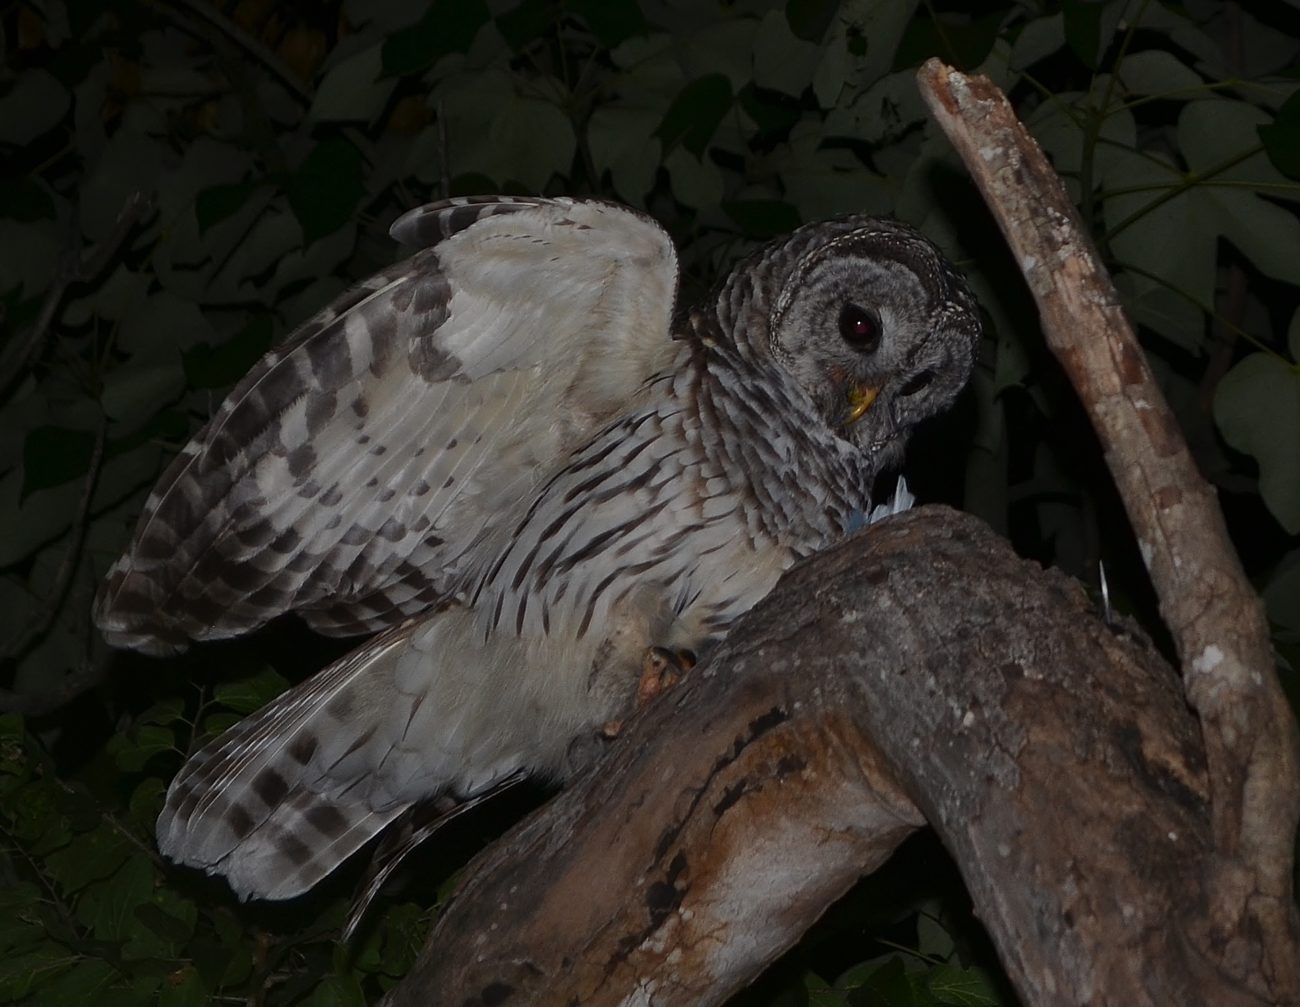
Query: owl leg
<point>661,669</point>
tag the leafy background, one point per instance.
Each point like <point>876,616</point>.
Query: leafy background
<point>185,181</point>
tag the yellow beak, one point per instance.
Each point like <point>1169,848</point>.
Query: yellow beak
<point>860,399</point>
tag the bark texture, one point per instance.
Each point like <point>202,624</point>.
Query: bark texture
<point>1216,619</point>
<point>919,672</point>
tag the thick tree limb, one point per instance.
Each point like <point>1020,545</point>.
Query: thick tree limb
<point>919,671</point>
<point>1215,617</point>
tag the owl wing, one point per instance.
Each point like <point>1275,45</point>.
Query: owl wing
<point>349,476</point>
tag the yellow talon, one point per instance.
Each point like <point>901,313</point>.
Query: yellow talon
<point>860,399</point>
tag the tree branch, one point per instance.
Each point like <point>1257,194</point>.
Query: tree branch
<point>1215,617</point>
<point>919,671</point>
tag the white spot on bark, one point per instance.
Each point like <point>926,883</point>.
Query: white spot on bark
<point>1004,850</point>
<point>969,719</point>
<point>1208,659</point>
<point>642,996</point>
<point>1147,553</point>
<point>1173,837</point>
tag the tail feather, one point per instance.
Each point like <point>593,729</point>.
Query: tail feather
<point>256,806</point>
<point>418,825</point>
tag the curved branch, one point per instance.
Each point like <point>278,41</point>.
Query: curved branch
<point>918,672</point>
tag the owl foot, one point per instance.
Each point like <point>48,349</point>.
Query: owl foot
<point>661,669</point>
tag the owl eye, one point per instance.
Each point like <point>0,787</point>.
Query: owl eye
<point>860,327</point>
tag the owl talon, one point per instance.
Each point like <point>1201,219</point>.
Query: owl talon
<point>661,669</point>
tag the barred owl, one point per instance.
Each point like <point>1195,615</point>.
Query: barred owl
<point>516,461</point>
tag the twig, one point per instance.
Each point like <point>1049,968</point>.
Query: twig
<point>76,267</point>
<point>1215,617</point>
<point>223,26</point>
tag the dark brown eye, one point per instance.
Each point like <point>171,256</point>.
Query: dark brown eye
<point>860,327</point>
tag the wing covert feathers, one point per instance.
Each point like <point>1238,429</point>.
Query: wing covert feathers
<point>350,474</point>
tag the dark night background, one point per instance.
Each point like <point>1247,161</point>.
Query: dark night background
<point>273,144</point>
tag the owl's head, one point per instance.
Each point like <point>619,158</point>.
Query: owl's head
<point>873,323</point>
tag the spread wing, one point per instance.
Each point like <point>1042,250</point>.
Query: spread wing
<point>349,475</point>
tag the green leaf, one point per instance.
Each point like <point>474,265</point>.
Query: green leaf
<point>1282,592</point>
<point>20,920</point>
<point>1038,39</point>
<point>30,252</point>
<point>92,856</point>
<point>448,26</point>
<point>963,43</point>
<point>217,202</point>
<point>140,744</point>
<point>1211,131</point>
<point>22,974</point>
<point>1155,71</point>
<point>762,218</point>
<point>821,994</point>
<point>960,987</point>
<point>165,711</point>
<point>35,104</point>
<point>326,188</point>
<point>1281,137</point>
<point>811,19</point>
<point>136,388</point>
<point>694,114</point>
<point>83,985</point>
<point>512,136</point>
<point>108,907</point>
<point>1083,29</point>
<point>37,818</point>
<point>23,199</point>
<point>251,692</point>
<point>782,62</point>
<point>53,456</point>
<point>163,925</point>
<point>1257,408</point>
<point>932,939</point>
<point>336,991</point>
<point>887,986</point>
<point>184,988</point>
<point>220,366</point>
<point>611,21</point>
<point>525,22</point>
<point>354,90</point>
<point>146,803</point>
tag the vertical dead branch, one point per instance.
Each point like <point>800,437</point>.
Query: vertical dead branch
<point>1215,617</point>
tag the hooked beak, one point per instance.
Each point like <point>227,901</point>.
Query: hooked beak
<point>860,399</point>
